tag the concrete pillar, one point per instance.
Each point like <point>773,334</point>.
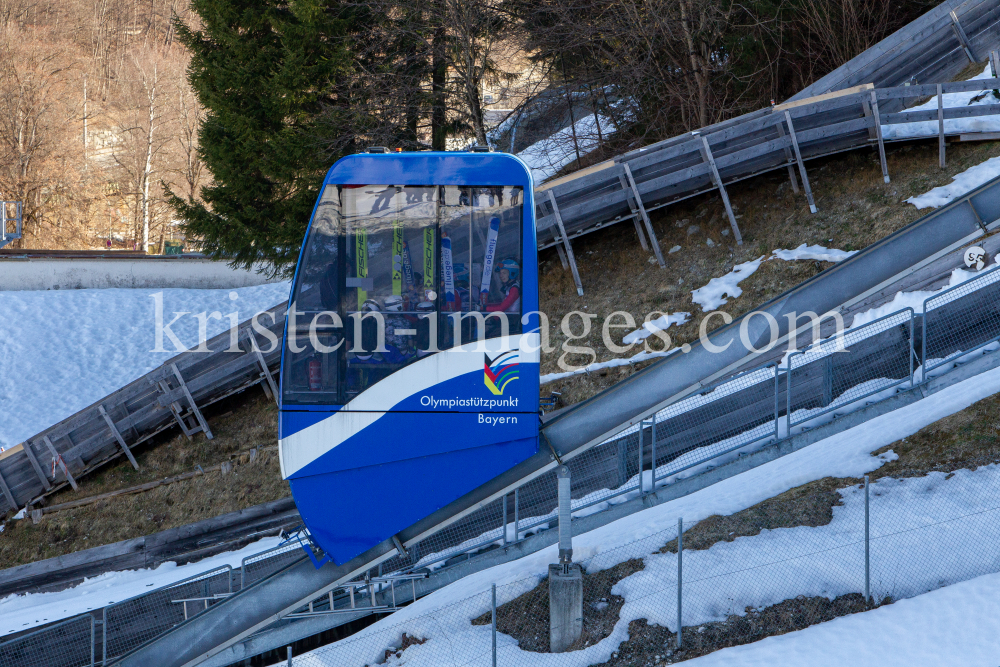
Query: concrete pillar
<point>565,578</point>
<point>565,605</point>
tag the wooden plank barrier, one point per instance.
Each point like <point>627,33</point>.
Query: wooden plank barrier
<point>782,137</point>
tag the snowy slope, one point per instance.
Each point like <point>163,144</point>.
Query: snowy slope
<point>446,614</point>
<point>955,625</point>
<point>63,350</point>
<point>21,612</point>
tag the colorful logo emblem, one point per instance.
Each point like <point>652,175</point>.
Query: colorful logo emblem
<point>498,372</point>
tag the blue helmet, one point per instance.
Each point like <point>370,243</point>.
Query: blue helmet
<point>511,265</point>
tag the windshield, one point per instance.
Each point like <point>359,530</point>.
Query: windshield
<point>391,274</point>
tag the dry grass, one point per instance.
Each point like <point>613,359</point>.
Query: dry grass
<point>655,645</point>
<point>526,617</point>
<point>856,209</point>
<point>242,423</point>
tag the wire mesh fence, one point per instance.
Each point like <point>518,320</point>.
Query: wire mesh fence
<point>67,644</point>
<point>962,319</point>
<point>838,373</point>
<point>865,364</point>
<point>131,623</point>
<point>264,564</point>
<point>719,421</point>
<point>779,566</point>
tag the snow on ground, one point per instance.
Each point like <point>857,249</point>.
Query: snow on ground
<point>551,154</point>
<point>966,181</point>
<point>714,294</point>
<point>661,323</point>
<point>817,252</point>
<point>955,625</point>
<point>920,560</point>
<point>929,128</point>
<point>64,350</point>
<point>598,365</point>
<point>21,612</point>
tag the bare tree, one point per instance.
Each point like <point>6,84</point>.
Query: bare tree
<point>33,122</point>
<point>140,124</point>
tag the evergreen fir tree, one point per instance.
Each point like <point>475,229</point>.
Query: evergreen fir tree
<point>264,70</point>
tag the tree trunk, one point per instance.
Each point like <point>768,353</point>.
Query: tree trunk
<point>439,65</point>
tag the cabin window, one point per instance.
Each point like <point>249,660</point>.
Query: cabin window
<point>391,274</point>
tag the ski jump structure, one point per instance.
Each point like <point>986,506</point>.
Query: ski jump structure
<point>599,438</point>
<point>915,257</point>
<point>833,115</point>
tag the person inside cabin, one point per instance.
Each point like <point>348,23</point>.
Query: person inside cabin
<point>510,288</point>
<point>510,292</point>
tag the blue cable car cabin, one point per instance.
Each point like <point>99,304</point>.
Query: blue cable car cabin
<point>408,376</point>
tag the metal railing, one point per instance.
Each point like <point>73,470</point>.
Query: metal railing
<point>838,373</point>
<point>831,378</point>
<point>961,320</point>
<point>131,623</point>
<point>67,644</point>
<point>760,406</point>
<point>827,380</point>
<point>264,564</point>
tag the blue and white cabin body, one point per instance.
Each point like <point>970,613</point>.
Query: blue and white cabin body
<point>409,372</point>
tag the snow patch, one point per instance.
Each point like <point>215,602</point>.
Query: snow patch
<point>661,323</point>
<point>551,154</point>
<point>712,295</point>
<point>21,612</point>
<point>596,366</point>
<point>929,128</point>
<point>816,252</point>
<point>968,180</point>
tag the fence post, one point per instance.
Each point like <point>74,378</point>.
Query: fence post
<point>516,515</point>
<point>940,110</point>
<point>680,573</point>
<point>494,623</point>
<point>93,640</point>
<point>777,400</point>
<point>504,499</point>
<point>104,635</point>
<point>878,132</point>
<point>642,438</point>
<point>652,430</point>
<point>868,595</point>
<point>912,351</point>
<point>289,656</point>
